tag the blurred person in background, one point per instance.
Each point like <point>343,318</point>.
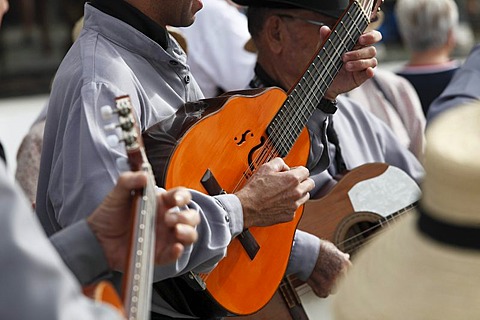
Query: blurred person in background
<point>428,29</point>
<point>463,88</point>
<point>33,10</point>
<point>216,56</point>
<point>394,100</point>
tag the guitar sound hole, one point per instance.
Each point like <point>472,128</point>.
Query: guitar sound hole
<point>355,230</point>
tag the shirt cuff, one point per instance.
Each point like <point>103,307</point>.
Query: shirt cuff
<point>304,256</point>
<point>233,209</point>
<point>81,252</point>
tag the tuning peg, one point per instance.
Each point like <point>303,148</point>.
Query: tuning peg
<point>126,124</point>
<point>107,112</point>
<point>113,140</point>
<point>110,127</point>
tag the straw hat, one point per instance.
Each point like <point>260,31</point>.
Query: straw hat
<point>427,266</point>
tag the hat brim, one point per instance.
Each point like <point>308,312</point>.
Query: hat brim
<point>404,275</point>
<point>330,9</point>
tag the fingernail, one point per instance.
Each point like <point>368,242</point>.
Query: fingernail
<point>179,197</point>
<point>171,218</point>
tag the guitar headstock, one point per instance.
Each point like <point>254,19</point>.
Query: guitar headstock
<point>129,132</point>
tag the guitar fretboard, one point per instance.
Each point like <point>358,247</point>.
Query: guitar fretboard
<point>138,289</point>
<point>302,100</point>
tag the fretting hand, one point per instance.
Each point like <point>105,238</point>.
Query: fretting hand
<point>358,64</point>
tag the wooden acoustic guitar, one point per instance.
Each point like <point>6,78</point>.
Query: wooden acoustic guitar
<point>366,199</point>
<point>215,145</point>
<point>135,303</point>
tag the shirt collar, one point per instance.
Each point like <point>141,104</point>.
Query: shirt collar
<point>261,79</point>
<point>124,11</point>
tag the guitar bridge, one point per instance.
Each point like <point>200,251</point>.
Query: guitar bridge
<point>213,188</point>
<point>249,243</point>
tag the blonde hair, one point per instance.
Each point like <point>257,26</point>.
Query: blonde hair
<point>426,24</point>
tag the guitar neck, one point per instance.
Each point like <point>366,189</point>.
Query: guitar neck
<point>314,83</point>
<point>137,288</point>
<point>138,276</point>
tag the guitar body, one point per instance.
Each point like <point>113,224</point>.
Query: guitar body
<point>228,141</point>
<point>336,217</point>
<point>333,216</point>
<point>105,292</point>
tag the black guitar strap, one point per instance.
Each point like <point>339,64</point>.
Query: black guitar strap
<point>333,138</point>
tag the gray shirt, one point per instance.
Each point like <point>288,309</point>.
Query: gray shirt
<point>463,88</point>
<point>364,138</point>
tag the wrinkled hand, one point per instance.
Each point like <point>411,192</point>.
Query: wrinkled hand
<point>274,193</point>
<point>111,222</point>
<point>357,66</point>
<point>331,265</point>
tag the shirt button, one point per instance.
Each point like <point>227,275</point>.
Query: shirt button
<point>173,62</point>
<point>187,79</point>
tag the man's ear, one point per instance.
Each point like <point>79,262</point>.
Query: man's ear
<point>274,32</point>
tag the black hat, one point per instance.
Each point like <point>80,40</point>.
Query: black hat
<point>331,8</point>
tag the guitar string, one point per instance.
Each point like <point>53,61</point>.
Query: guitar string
<point>293,101</point>
<point>336,62</point>
<point>344,34</point>
<point>381,223</point>
<point>368,239</point>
